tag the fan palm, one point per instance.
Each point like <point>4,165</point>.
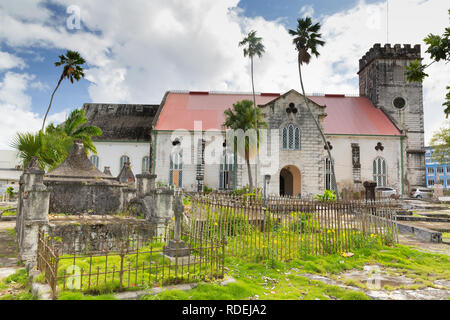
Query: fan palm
<point>74,128</point>
<point>47,148</point>
<point>72,62</point>
<point>242,116</point>
<point>307,39</point>
<point>253,47</point>
<point>53,146</point>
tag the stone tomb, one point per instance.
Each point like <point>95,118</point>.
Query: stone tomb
<point>78,187</point>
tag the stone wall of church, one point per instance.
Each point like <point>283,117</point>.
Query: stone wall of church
<point>344,166</point>
<point>109,153</point>
<point>308,159</point>
<point>382,79</point>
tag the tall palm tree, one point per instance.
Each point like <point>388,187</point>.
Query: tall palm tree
<point>241,116</point>
<point>306,40</point>
<point>253,47</point>
<point>72,62</point>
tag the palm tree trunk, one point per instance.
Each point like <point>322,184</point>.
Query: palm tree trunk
<point>51,100</point>
<point>256,130</point>
<point>250,180</point>
<point>321,133</point>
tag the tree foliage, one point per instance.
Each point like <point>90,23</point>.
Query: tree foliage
<point>72,62</point>
<point>307,40</point>
<point>439,50</point>
<point>253,47</point>
<point>242,116</point>
<point>441,143</point>
<point>53,146</point>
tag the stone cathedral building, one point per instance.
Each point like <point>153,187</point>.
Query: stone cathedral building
<point>378,135</point>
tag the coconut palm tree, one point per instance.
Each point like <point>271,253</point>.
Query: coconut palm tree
<point>242,116</point>
<point>253,47</point>
<point>306,40</point>
<point>72,62</point>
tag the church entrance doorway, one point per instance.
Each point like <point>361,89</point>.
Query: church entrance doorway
<point>290,181</point>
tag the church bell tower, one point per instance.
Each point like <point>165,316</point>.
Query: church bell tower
<point>382,79</point>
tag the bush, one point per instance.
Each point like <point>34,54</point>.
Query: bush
<point>10,191</point>
<point>187,200</point>
<point>328,195</point>
<point>241,191</point>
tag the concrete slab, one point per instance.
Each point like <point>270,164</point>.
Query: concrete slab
<point>420,232</point>
<point>6,272</point>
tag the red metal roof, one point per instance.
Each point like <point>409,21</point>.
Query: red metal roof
<point>354,115</point>
<point>182,109</point>
<point>345,115</point>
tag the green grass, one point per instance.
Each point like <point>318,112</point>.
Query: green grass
<point>417,265</point>
<point>80,296</point>
<point>277,280</point>
<point>260,281</point>
<point>18,281</point>
<point>20,277</point>
<point>11,232</point>
<point>143,278</point>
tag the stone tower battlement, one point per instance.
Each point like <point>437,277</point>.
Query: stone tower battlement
<point>382,79</point>
<point>388,52</point>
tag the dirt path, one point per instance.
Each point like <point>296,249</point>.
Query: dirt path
<point>8,251</point>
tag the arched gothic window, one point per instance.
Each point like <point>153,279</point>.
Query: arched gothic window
<point>380,171</point>
<point>176,170</point>
<point>145,164</point>
<point>94,160</point>
<point>328,175</point>
<point>291,137</point>
<point>226,170</point>
<point>123,160</point>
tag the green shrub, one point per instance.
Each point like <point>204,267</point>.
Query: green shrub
<point>21,277</point>
<point>328,195</point>
<point>187,200</point>
<point>10,191</point>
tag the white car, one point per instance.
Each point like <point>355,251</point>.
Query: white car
<point>386,191</point>
<point>420,193</point>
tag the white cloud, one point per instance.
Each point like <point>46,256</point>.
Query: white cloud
<point>12,89</point>
<point>39,86</point>
<point>141,49</point>
<point>15,106</point>
<point>306,11</point>
<point>9,61</point>
<point>30,10</point>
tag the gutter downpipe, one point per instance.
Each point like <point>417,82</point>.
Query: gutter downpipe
<point>401,167</point>
<point>154,152</point>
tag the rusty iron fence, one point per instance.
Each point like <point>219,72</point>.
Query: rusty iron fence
<point>283,228</point>
<point>127,264</point>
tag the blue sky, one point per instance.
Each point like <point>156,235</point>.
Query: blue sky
<point>290,9</point>
<point>135,51</point>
